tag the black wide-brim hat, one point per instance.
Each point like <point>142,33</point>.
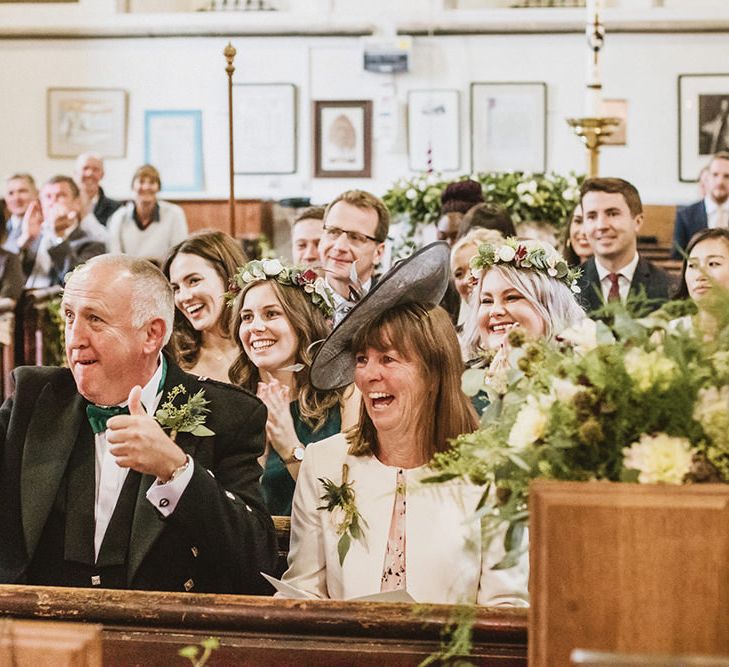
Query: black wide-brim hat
<point>422,278</point>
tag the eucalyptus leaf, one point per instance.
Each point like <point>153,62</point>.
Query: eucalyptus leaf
<point>202,431</point>
<point>345,542</point>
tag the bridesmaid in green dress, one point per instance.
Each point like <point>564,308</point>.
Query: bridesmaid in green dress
<point>279,312</point>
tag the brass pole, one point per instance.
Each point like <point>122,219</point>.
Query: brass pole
<point>229,53</point>
<point>592,133</point>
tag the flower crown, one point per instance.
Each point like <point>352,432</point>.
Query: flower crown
<point>525,254</point>
<point>287,275</point>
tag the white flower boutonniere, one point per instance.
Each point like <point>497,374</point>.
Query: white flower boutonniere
<point>186,418</point>
<point>348,522</point>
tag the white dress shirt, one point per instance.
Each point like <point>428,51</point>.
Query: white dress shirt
<point>625,277</point>
<point>110,477</point>
<point>717,215</point>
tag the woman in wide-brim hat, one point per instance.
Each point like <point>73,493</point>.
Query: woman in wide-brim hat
<point>363,522</point>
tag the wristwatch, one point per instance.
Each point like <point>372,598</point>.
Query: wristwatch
<point>297,456</point>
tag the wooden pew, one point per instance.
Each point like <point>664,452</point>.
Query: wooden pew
<point>7,350</point>
<point>39,338</point>
<point>142,628</point>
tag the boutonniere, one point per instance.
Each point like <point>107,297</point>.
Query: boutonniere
<point>186,418</point>
<point>347,520</point>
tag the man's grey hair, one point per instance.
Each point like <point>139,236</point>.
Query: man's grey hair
<point>85,156</point>
<point>152,295</point>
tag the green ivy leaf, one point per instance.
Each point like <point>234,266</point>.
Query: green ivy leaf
<point>345,542</point>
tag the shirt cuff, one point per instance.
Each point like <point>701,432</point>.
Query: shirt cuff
<point>166,496</point>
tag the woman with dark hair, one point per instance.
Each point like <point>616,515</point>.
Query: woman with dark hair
<point>487,216</point>
<point>363,522</point>
<point>705,266</point>
<point>200,270</point>
<point>576,247</point>
<point>280,312</point>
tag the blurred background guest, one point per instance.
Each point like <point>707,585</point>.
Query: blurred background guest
<point>279,313</point>
<point>576,247</point>
<point>147,226</point>
<point>402,351</point>
<point>446,229</point>
<point>487,216</point>
<point>705,267</point>
<point>88,175</point>
<point>306,234</point>
<point>460,196</point>
<point>200,270</point>
<point>20,193</point>
<point>461,254</point>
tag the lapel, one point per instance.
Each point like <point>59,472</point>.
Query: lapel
<point>591,294</point>
<point>52,432</point>
<point>641,277</point>
<point>148,524</point>
<point>374,486</point>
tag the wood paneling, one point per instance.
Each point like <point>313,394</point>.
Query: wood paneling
<point>631,568</point>
<point>253,217</point>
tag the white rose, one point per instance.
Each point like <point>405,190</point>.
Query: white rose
<point>660,459</point>
<point>529,426</point>
<point>247,277</point>
<point>411,194</point>
<point>532,187</point>
<point>564,390</point>
<point>506,253</point>
<point>527,199</point>
<point>271,267</point>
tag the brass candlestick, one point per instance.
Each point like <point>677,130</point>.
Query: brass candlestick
<point>592,132</point>
<point>229,53</point>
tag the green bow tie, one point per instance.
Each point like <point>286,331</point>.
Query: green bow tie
<point>98,416</point>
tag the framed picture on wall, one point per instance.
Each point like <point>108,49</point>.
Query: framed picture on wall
<point>264,128</point>
<point>703,121</point>
<point>81,120</point>
<point>509,127</point>
<point>434,130</point>
<point>173,144</point>
<point>343,139</point>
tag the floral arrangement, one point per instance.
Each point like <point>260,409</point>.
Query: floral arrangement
<point>546,197</point>
<point>634,401</point>
<point>284,274</point>
<point>534,255</point>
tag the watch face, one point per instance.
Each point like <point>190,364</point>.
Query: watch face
<point>299,453</point>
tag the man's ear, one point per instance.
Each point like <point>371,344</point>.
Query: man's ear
<point>378,253</point>
<point>155,334</point>
<point>638,220</point>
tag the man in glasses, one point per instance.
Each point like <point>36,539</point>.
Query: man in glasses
<point>355,228</point>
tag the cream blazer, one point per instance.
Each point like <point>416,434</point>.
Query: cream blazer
<point>446,560</point>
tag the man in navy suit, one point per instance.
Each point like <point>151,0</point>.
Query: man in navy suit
<point>88,175</point>
<point>712,211</point>
<point>612,215</point>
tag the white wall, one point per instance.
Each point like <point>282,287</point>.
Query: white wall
<point>188,73</point>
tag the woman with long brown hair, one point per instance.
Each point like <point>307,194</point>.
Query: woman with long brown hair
<point>200,270</point>
<point>280,312</point>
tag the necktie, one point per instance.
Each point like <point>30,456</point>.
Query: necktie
<point>98,416</point>
<point>614,293</point>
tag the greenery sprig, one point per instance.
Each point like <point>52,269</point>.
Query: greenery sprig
<point>348,522</point>
<point>186,418</point>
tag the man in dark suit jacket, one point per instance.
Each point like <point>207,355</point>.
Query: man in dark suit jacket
<point>56,241</point>
<point>612,215</point>
<point>89,173</point>
<point>124,504</point>
<point>711,211</point>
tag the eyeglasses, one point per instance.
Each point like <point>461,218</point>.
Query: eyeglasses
<point>355,238</point>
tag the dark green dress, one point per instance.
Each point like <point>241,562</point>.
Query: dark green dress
<point>278,486</point>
